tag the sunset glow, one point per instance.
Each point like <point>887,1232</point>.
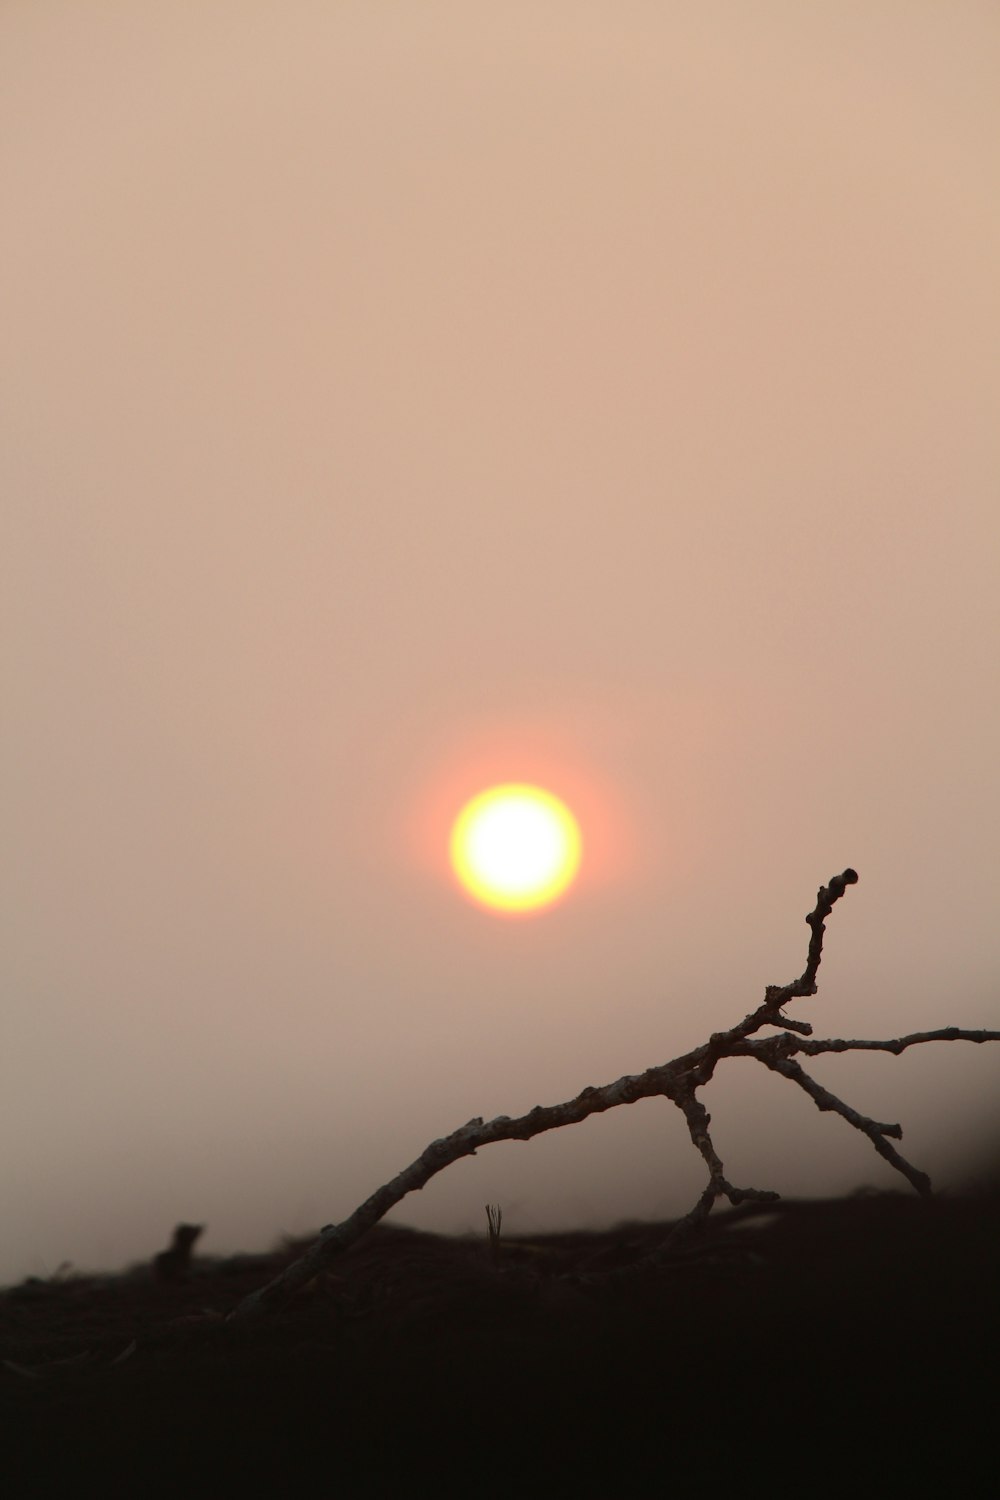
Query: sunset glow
<point>515,848</point>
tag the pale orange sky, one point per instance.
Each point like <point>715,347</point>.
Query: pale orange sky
<point>398,398</point>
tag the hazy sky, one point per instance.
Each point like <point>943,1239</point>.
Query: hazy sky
<point>397,398</point>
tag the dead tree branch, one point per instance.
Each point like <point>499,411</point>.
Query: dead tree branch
<point>678,1081</point>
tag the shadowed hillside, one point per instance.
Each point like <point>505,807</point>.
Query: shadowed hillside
<point>838,1334</point>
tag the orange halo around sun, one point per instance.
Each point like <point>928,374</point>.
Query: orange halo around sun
<point>515,848</point>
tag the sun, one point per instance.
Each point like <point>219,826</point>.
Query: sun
<point>515,848</point>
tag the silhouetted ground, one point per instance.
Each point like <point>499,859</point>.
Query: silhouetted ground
<point>851,1341</point>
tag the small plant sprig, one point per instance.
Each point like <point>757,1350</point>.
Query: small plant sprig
<point>679,1081</point>
<point>494,1218</point>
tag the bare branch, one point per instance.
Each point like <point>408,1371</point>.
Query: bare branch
<point>898,1045</point>
<point>466,1141</point>
<point>678,1081</point>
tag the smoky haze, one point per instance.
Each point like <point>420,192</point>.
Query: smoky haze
<point>400,399</point>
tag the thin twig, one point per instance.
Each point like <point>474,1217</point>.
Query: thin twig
<point>876,1132</point>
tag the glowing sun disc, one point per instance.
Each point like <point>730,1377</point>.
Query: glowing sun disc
<point>515,848</point>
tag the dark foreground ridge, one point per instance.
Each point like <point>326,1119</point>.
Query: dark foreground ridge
<point>857,1337</point>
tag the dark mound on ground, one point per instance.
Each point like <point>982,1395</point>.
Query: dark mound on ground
<point>856,1338</point>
